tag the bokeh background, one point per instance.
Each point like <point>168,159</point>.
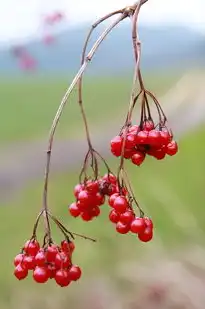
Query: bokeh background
<point>40,48</point>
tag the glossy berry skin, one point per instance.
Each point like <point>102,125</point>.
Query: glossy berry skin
<point>62,277</point>
<point>165,137</point>
<point>40,258</point>
<point>110,178</point>
<point>18,259</point>
<point>74,273</point>
<point>154,137</point>
<point>40,274</point>
<point>62,260</point>
<point>120,204</point>
<point>138,158</point>
<point>77,189</point>
<point>20,272</point>
<point>172,148</point>
<point>148,125</point>
<point>112,199</point>
<point>142,137</point>
<point>138,225</point>
<point>67,246</point>
<point>122,228</point>
<point>147,235</point>
<point>148,222</point>
<point>31,247</point>
<point>127,217</point>
<point>116,146</point>
<point>114,216</point>
<point>51,253</point>
<point>74,210</point>
<point>29,262</point>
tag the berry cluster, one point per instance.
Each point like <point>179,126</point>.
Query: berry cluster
<point>51,262</point>
<point>91,194</point>
<point>150,140</point>
<point>125,219</point>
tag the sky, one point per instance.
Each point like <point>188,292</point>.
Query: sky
<point>21,19</point>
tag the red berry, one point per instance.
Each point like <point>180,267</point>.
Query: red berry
<point>137,225</point>
<point>130,141</point>
<point>112,199</point>
<point>100,199</point>
<point>165,137</point>
<point>51,271</point>
<point>74,273</point>
<point>18,259</point>
<point>20,272</point>
<point>122,228</point>
<point>147,235</point>
<point>133,129</point>
<point>142,137</point>
<point>31,247</point>
<point>116,146</point>
<point>92,186</point>
<point>172,148</point>
<point>148,125</point>
<point>138,158</point>
<point>159,154</point>
<point>128,153</point>
<point>74,210</point>
<point>95,211</point>
<point>114,216</point>
<point>84,197</point>
<point>62,260</point>
<point>68,246</point>
<point>79,187</point>
<point>40,274</point>
<point>86,216</point>
<point>148,222</point>
<point>127,217</point>
<point>51,253</point>
<point>154,137</point>
<point>62,277</point>
<point>29,262</point>
<point>110,178</point>
<point>120,204</point>
<point>40,258</point>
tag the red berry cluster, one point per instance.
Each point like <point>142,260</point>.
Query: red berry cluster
<point>91,194</point>
<point>51,262</point>
<point>150,140</point>
<point>125,219</point>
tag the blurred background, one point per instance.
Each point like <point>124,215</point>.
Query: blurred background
<point>40,50</point>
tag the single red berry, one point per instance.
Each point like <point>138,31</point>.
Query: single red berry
<point>128,153</point>
<point>29,262</point>
<point>114,216</point>
<point>165,137</point>
<point>159,154</point>
<point>20,272</point>
<point>110,178</point>
<point>142,137</point>
<point>92,186</point>
<point>95,211</point>
<point>154,137</point>
<point>112,198</point>
<point>74,210</point>
<point>86,216</point>
<point>74,273</point>
<point>137,225</point>
<point>40,258</point>
<point>148,222</point>
<point>120,204</point>
<point>138,158</point>
<point>130,141</point>
<point>18,259</point>
<point>148,125</point>
<point>51,252</point>
<point>84,197</point>
<point>122,228</point>
<point>172,148</point>
<point>116,146</point>
<point>79,187</point>
<point>31,247</point>
<point>147,235</point>
<point>68,247</point>
<point>62,277</point>
<point>62,260</point>
<point>100,199</point>
<point>51,270</point>
<point>40,274</point>
<point>127,217</point>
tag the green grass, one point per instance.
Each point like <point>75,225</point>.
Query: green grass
<point>170,191</point>
<point>29,105</point>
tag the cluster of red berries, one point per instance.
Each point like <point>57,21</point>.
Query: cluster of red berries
<point>140,141</point>
<point>52,262</point>
<point>125,219</point>
<point>91,194</point>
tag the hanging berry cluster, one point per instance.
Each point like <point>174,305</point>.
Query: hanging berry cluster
<point>150,137</point>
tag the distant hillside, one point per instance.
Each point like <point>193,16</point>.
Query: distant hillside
<point>162,47</point>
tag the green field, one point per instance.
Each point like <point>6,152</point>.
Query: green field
<point>170,191</point>
<point>29,105</point>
